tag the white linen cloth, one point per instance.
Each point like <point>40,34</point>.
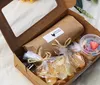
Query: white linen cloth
<point>9,75</point>
<point>21,16</point>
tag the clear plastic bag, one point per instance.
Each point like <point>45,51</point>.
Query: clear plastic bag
<point>71,52</point>
<point>75,56</point>
<point>63,50</point>
<point>58,67</point>
<point>77,60</point>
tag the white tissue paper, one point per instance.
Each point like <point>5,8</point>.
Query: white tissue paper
<point>31,55</point>
<point>22,15</point>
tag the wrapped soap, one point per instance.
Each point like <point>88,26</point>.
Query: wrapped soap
<point>65,28</point>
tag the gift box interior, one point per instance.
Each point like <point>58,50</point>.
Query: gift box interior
<point>16,43</point>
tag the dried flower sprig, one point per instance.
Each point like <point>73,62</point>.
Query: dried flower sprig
<point>79,7</point>
<point>95,1</point>
<point>84,12</point>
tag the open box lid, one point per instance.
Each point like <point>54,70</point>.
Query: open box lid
<point>16,43</point>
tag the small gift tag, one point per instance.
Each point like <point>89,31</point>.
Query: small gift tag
<point>53,35</point>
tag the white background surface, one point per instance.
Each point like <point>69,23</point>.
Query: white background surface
<point>9,75</point>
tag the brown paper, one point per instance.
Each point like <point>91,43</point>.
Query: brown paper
<point>71,27</point>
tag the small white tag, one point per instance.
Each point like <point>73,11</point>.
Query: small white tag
<point>53,35</point>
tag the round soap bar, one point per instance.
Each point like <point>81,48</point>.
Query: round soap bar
<point>90,44</point>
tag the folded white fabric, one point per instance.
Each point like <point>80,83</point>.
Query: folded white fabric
<point>21,16</point>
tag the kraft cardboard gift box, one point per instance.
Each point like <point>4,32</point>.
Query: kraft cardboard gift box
<point>16,43</point>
